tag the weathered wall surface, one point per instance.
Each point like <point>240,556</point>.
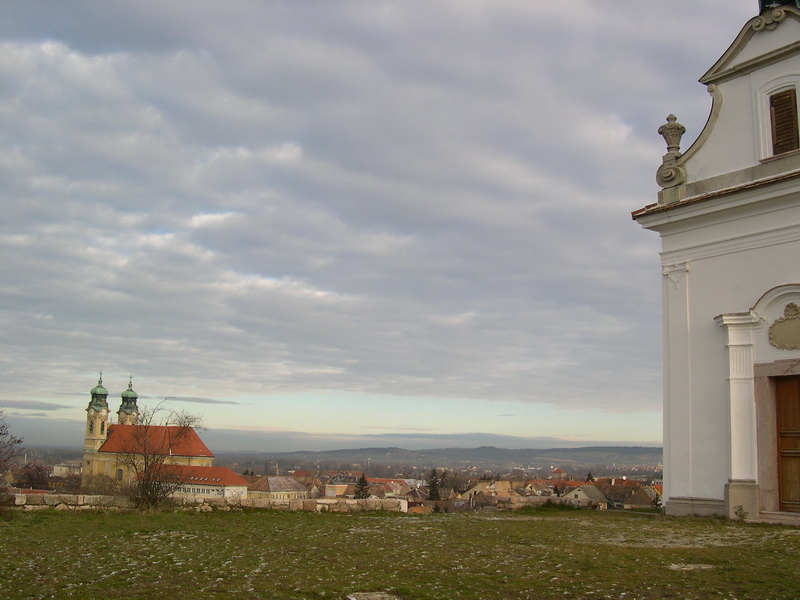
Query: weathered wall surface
<point>85,502</point>
<point>31,502</point>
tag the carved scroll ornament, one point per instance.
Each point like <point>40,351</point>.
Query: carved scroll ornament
<point>769,19</point>
<point>669,174</point>
<point>784,333</point>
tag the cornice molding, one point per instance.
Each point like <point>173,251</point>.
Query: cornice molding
<point>734,245</point>
<point>767,21</point>
<point>655,214</point>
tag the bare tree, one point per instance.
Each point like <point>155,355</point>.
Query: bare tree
<point>34,476</point>
<point>10,446</point>
<point>99,485</point>
<point>148,454</point>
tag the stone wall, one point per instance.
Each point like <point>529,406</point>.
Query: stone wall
<point>337,505</point>
<point>86,502</point>
<point>517,502</point>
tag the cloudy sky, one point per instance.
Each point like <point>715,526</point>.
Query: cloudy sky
<point>336,224</point>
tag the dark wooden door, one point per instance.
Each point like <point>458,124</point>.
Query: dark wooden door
<point>787,410</point>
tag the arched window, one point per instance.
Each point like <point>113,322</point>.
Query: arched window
<point>776,115</point>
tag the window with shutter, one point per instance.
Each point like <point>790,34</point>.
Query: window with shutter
<point>783,115</point>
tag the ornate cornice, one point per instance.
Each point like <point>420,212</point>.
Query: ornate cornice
<point>769,19</point>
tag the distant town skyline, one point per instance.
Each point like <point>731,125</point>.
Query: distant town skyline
<point>319,227</point>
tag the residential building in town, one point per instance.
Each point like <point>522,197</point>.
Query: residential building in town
<point>210,482</point>
<point>586,495</point>
<point>279,487</point>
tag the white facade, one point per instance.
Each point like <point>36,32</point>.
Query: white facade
<point>198,490</point>
<point>729,219</point>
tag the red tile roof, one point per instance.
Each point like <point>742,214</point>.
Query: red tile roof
<point>158,439</point>
<point>276,483</point>
<point>222,476</point>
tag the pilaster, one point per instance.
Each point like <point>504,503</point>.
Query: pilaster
<point>677,381</point>
<point>741,491</point>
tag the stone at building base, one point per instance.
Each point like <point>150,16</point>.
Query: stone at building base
<point>702,507</point>
<point>778,518</point>
<point>741,499</point>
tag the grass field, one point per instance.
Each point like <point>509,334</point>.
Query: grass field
<point>263,554</point>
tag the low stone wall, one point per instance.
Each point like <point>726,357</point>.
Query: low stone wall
<point>517,502</point>
<point>338,505</point>
<point>86,502</point>
<point>63,502</point>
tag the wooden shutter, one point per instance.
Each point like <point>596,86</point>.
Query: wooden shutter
<point>783,113</point>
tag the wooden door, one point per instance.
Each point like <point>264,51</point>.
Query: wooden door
<point>787,412</point>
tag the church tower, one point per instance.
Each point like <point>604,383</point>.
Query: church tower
<point>128,413</point>
<point>96,418</point>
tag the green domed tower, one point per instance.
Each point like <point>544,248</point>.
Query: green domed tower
<point>128,413</point>
<point>96,418</point>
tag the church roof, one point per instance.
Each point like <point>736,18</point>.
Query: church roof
<point>130,393</point>
<point>276,483</point>
<point>158,439</point>
<point>208,475</point>
<point>99,394</point>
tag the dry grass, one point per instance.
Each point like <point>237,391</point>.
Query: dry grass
<point>263,554</point>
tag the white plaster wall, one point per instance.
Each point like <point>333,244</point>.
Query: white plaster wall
<point>696,374</point>
<point>764,42</point>
<point>729,146</point>
<point>740,137</point>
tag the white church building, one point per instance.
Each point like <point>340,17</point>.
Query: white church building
<point>729,219</point>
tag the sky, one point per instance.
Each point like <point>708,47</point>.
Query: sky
<point>343,224</point>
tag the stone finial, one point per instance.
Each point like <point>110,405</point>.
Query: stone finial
<point>672,131</point>
<point>669,173</point>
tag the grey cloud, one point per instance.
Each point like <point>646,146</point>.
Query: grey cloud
<point>27,414</point>
<point>202,400</point>
<point>40,431</point>
<point>225,440</point>
<point>31,405</point>
<point>407,202</point>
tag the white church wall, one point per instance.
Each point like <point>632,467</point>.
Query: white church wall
<point>729,219</point>
<point>729,145</point>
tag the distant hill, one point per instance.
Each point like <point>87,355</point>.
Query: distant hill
<point>482,458</point>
